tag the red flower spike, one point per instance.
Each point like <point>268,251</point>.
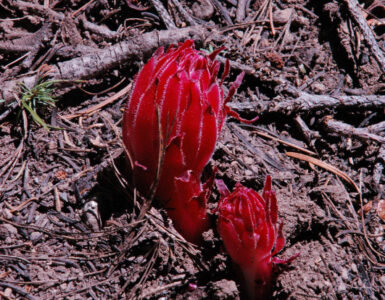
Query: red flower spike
<point>247,224</point>
<point>177,94</point>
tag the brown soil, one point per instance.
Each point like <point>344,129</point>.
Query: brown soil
<point>69,223</point>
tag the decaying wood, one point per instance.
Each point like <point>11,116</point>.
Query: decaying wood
<point>184,13</point>
<point>101,61</point>
<point>222,11</point>
<point>378,128</point>
<point>348,130</point>
<point>241,10</point>
<point>99,30</point>
<point>355,11</point>
<point>309,102</point>
<point>163,14</point>
<point>306,102</point>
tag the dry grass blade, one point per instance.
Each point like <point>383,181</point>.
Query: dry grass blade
<point>266,135</point>
<point>154,252</point>
<point>100,105</point>
<point>325,166</point>
<point>22,205</point>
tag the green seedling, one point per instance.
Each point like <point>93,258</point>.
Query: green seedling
<point>39,95</point>
<point>211,50</point>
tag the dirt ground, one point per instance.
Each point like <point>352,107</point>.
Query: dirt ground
<point>70,225</point>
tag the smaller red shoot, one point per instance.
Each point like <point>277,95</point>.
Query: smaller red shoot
<point>247,224</point>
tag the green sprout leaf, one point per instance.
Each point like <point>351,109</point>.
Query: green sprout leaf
<point>39,95</point>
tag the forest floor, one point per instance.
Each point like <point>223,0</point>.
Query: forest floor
<point>70,226</point>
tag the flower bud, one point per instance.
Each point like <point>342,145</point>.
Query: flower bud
<point>247,224</point>
<point>170,126</point>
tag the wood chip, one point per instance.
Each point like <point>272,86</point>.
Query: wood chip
<point>381,210</point>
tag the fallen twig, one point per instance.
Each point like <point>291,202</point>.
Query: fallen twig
<point>241,10</point>
<point>377,128</point>
<point>101,61</point>
<point>184,13</point>
<point>163,14</point>
<point>309,102</point>
<point>306,102</point>
<point>18,290</point>
<point>222,11</point>
<point>100,30</point>
<point>355,11</point>
<point>350,131</point>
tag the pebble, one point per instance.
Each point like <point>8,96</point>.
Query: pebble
<point>64,196</point>
<point>248,160</point>
<point>341,287</point>
<point>8,228</point>
<point>35,236</point>
<point>7,213</point>
<point>204,10</point>
<point>344,274</point>
<point>382,280</point>
<point>282,16</point>
<point>248,173</point>
<point>224,289</point>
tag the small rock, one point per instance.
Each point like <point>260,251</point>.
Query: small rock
<point>7,213</point>
<point>282,16</point>
<point>341,286</point>
<point>208,236</point>
<point>382,280</point>
<point>7,230</point>
<point>64,197</point>
<point>248,173</point>
<point>91,215</point>
<point>35,236</point>
<point>224,290</point>
<point>344,274</point>
<point>301,21</point>
<point>204,10</point>
<point>248,160</point>
<point>220,262</point>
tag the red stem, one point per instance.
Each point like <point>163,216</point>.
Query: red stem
<point>257,280</point>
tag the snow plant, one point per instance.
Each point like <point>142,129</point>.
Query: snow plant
<point>247,224</point>
<point>171,123</point>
